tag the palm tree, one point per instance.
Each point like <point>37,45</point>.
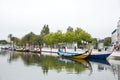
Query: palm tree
<point>10,38</point>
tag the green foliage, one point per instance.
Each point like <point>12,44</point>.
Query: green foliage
<point>38,40</point>
<point>53,38</point>
<point>48,62</point>
<point>3,42</point>
<point>69,37</point>
<point>49,38</point>
<point>69,29</point>
<point>107,41</point>
<point>45,30</point>
<point>95,43</point>
<point>28,38</point>
<point>82,35</point>
<point>15,40</point>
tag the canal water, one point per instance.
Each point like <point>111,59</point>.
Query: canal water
<point>48,66</point>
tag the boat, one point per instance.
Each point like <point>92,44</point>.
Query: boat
<point>101,55</point>
<point>22,50</point>
<point>74,55</point>
<point>35,51</point>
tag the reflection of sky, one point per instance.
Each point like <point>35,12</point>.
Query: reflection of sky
<point>17,70</point>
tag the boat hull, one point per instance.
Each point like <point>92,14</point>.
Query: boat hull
<point>99,56</point>
<point>35,51</point>
<point>21,50</point>
<point>76,56</point>
<point>73,55</point>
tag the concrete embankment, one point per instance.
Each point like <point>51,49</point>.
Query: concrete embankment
<point>115,54</point>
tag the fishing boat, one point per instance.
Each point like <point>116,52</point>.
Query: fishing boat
<point>74,55</point>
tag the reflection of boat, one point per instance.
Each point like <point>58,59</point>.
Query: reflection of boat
<point>84,62</point>
<point>100,61</point>
<point>81,61</point>
<point>75,55</point>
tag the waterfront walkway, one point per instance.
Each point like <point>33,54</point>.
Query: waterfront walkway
<point>115,53</point>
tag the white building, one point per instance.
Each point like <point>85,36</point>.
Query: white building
<point>118,31</point>
<point>114,37</point>
<point>116,34</point>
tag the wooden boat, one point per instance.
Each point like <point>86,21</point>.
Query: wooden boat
<point>101,55</point>
<point>35,51</point>
<point>22,50</point>
<point>75,55</point>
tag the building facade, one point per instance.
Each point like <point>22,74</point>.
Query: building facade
<point>118,31</point>
<point>116,34</point>
<point>114,37</point>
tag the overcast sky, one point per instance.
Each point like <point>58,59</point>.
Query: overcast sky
<point>97,17</point>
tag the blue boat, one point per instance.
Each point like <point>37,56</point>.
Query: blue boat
<point>101,61</point>
<point>99,56</point>
<point>74,55</point>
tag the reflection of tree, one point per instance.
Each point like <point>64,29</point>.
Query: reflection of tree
<point>48,63</point>
<point>13,56</point>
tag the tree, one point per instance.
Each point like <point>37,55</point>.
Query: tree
<point>107,41</point>
<point>3,42</point>
<point>10,37</point>
<point>49,38</point>
<point>45,30</point>
<point>78,34</point>
<point>38,40</point>
<point>95,43</point>
<point>28,38</point>
<point>16,40</point>
<point>69,29</point>
<point>69,37</point>
<point>81,35</point>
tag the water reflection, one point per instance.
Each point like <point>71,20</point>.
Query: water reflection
<point>48,62</point>
<point>50,65</point>
<point>82,65</point>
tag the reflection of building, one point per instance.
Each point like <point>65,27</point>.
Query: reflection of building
<point>116,34</point>
<point>118,72</point>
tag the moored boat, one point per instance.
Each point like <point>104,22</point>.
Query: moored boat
<point>74,55</point>
<point>22,50</point>
<point>101,55</point>
<point>35,51</point>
